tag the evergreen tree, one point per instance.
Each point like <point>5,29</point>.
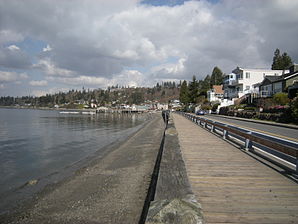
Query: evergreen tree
<point>286,60</point>
<point>281,62</point>
<point>183,96</point>
<point>276,60</point>
<point>193,90</point>
<point>206,85</point>
<point>216,77</point>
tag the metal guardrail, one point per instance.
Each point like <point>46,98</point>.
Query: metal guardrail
<point>281,152</point>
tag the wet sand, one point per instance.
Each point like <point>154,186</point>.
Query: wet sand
<point>109,190</point>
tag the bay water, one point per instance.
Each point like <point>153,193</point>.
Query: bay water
<point>39,147</point>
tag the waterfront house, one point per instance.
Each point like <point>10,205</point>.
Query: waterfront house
<point>286,82</point>
<point>216,93</point>
<point>242,81</point>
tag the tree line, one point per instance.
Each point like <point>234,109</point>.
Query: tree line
<point>195,91</point>
<point>163,92</point>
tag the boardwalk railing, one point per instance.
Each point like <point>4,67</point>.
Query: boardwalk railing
<point>279,151</point>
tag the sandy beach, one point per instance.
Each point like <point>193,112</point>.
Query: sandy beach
<point>111,189</point>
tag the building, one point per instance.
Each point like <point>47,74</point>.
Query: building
<point>215,94</point>
<point>228,82</point>
<point>243,81</point>
<point>286,82</point>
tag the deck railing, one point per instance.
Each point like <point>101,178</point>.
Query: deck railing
<point>281,152</point>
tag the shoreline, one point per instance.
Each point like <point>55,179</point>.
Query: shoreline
<point>27,213</point>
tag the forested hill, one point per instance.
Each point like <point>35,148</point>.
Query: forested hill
<point>114,95</point>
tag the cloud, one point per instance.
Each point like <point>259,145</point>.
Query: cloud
<point>7,36</point>
<point>47,48</point>
<point>169,70</point>
<point>13,48</point>
<point>38,83</point>
<point>98,43</point>
<point>13,57</point>
<point>23,76</point>
<point>125,78</point>
<point>38,92</point>
<point>47,66</point>
<point>6,76</point>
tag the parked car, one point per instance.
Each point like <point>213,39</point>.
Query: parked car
<point>200,112</point>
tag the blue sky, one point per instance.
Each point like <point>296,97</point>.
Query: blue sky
<point>46,47</point>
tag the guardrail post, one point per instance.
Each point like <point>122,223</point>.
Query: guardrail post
<point>225,133</point>
<point>248,143</point>
<point>205,124</point>
<point>212,127</point>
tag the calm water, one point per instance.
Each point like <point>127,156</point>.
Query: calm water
<point>43,145</point>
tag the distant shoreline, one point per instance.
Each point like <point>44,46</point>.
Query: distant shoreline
<point>45,108</point>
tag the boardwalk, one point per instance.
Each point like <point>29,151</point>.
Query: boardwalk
<point>231,186</point>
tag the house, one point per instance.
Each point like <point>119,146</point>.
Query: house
<point>215,94</point>
<point>228,82</point>
<point>266,86</point>
<point>244,79</point>
<point>286,82</point>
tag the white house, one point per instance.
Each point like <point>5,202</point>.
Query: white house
<point>243,81</point>
<point>215,94</point>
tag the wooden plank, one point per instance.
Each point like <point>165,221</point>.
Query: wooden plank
<point>231,186</point>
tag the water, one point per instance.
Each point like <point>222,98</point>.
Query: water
<point>42,145</point>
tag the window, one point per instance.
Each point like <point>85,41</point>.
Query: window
<point>247,87</point>
<point>240,76</point>
<point>247,75</point>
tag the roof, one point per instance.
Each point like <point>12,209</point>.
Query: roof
<point>218,89</point>
<point>260,69</point>
<point>272,78</point>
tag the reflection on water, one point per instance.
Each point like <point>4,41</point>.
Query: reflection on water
<point>37,143</point>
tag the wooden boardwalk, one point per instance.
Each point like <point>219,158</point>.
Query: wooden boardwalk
<point>231,186</point>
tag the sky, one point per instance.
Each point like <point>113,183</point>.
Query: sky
<point>47,46</point>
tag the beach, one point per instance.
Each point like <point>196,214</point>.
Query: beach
<point>110,189</point>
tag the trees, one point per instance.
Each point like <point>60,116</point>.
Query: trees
<point>206,84</point>
<point>193,90</point>
<point>216,76</point>
<point>281,62</point>
<point>184,95</point>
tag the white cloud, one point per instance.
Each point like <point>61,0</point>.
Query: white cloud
<point>8,76</point>
<point>99,43</point>
<point>80,80</point>
<point>12,77</point>
<point>47,48</point>
<point>13,57</point>
<point>128,78</point>
<point>38,83</point>
<point>38,92</point>
<point>7,35</point>
<point>47,66</point>
<point>169,70</point>
<point>23,76</point>
<point>13,48</point>
<point>125,78</point>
